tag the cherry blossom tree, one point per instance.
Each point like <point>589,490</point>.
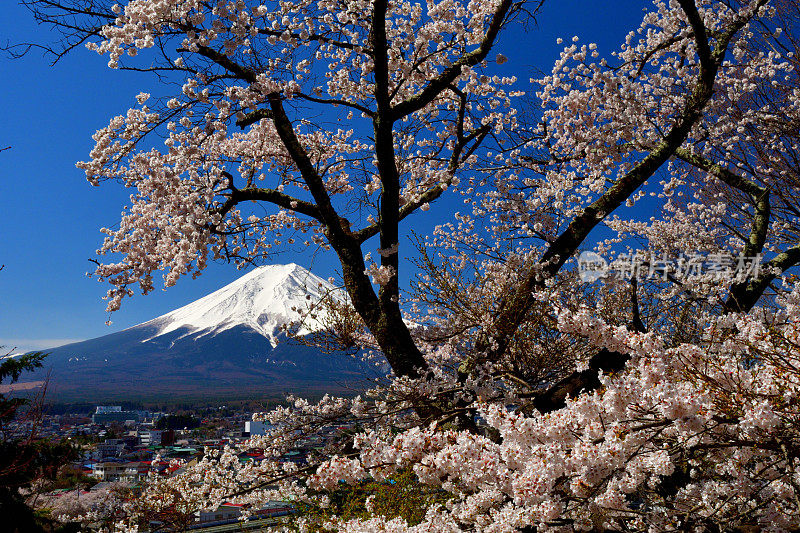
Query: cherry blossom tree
<point>537,402</point>
<point>85,507</point>
<point>258,119</point>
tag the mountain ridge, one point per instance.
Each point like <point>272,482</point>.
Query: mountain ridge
<point>229,343</point>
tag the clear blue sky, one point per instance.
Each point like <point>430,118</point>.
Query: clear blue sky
<point>51,216</point>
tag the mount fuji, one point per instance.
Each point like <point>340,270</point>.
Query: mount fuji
<point>263,300</point>
<point>228,344</point>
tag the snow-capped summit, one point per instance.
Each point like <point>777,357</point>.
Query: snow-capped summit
<point>264,299</point>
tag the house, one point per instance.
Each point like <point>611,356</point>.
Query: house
<point>226,511</point>
<point>109,449</point>
<point>108,471</point>
<point>135,471</point>
<point>150,437</point>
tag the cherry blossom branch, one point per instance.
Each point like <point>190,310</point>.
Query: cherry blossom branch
<point>313,37</point>
<point>253,117</point>
<point>335,224</point>
<point>721,172</point>
<point>513,309</point>
<point>336,101</point>
<point>433,193</point>
<point>455,162</point>
<point>272,196</point>
<point>440,83</point>
<point>743,297</point>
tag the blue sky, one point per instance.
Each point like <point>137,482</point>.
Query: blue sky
<point>51,215</point>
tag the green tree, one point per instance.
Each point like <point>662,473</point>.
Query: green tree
<point>178,421</point>
<point>400,496</point>
<point>24,458</point>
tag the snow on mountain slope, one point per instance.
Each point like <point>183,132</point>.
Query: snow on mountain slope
<point>261,299</point>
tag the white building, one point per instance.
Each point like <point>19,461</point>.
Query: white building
<point>114,472</point>
<point>135,471</point>
<point>108,471</point>
<point>102,409</point>
<point>226,511</point>
<point>255,427</point>
<point>150,437</point>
